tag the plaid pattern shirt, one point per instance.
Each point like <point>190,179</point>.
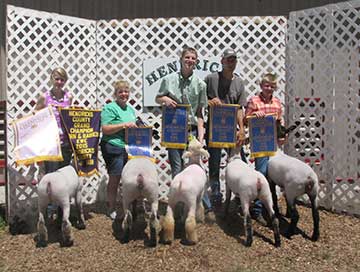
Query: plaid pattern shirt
<point>257,103</point>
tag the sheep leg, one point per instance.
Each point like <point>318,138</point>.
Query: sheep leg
<point>190,226</point>
<point>79,205</point>
<point>134,210</point>
<point>247,223</point>
<point>316,217</point>
<point>294,217</point>
<point>127,221</point>
<point>274,198</point>
<point>200,216</point>
<point>168,225</point>
<point>227,202</point>
<point>67,236</point>
<point>274,221</point>
<point>41,225</point>
<point>154,223</point>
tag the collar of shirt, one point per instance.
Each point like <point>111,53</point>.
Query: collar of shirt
<point>264,100</point>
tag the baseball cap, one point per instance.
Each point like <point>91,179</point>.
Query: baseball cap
<point>229,53</point>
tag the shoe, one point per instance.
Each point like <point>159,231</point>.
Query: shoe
<point>260,219</point>
<point>113,215</point>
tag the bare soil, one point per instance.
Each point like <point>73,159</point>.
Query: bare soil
<point>220,248</point>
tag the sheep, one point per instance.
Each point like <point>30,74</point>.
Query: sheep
<point>295,178</point>
<point>140,179</point>
<point>188,188</point>
<point>58,188</point>
<point>249,184</point>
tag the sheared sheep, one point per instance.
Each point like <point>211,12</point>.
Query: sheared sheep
<point>140,180</point>
<point>249,185</point>
<point>188,188</point>
<point>58,188</point>
<point>296,178</point>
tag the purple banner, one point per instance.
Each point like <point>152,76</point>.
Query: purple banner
<point>83,129</point>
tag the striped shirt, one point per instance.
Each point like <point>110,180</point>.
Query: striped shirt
<point>257,103</point>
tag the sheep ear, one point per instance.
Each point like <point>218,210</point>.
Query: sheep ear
<point>204,153</point>
<point>187,154</point>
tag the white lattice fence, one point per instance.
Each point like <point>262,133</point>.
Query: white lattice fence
<point>95,54</point>
<point>123,45</point>
<point>37,43</point>
<point>323,66</point>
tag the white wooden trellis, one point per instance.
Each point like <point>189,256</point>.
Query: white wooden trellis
<point>96,53</point>
<point>323,95</point>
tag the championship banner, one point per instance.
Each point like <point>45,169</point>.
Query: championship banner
<point>37,138</point>
<point>263,139</point>
<point>223,122</point>
<point>139,142</point>
<point>174,132</point>
<point>83,129</point>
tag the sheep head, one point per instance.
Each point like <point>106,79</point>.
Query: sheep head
<point>195,149</point>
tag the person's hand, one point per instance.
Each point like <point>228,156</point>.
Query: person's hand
<point>214,101</point>
<point>168,102</point>
<point>129,125</point>
<point>259,114</point>
<point>240,138</point>
<point>281,141</point>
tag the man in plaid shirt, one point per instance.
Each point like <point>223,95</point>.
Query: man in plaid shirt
<point>261,105</point>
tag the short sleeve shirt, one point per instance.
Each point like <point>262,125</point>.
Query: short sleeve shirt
<point>191,90</point>
<point>112,114</point>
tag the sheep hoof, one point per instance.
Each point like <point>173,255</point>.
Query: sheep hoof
<point>166,242</point>
<point>126,237</point>
<point>41,243</point>
<point>81,225</point>
<point>277,243</point>
<point>248,242</point>
<point>153,237</point>
<point>67,243</point>
<point>315,237</point>
<point>189,242</point>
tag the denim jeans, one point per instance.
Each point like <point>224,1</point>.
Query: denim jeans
<point>261,165</point>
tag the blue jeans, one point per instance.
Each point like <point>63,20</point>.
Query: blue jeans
<point>261,165</point>
<point>214,171</point>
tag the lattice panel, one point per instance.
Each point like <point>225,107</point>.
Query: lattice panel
<point>37,43</point>
<point>123,45</point>
<point>323,47</point>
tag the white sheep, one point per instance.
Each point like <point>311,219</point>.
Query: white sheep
<point>58,188</point>
<point>140,180</point>
<point>296,178</point>
<point>188,188</point>
<point>249,185</point>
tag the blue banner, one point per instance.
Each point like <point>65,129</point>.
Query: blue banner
<point>139,142</point>
<point>174,132</point>
<point>263,140</point>
<point>223,122</point>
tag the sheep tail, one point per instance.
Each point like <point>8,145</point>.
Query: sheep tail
<point>309,185</point>
<point>140,181</point>
<point>49,191</point>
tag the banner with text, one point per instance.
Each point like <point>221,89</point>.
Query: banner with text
<point>223,122</point>
<point>139,142</point>
<point>83,128</point>
<point>263,140</point>
<point>37,138</point>
<point>174,133</point>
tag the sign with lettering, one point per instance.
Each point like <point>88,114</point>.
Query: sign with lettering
<point>174,133</point>
<point>139,142</point>
<point>30,132</point>
<point>83,129</point>
<point>263,140</point>
<point>223,122</point>
<point>154,70</point>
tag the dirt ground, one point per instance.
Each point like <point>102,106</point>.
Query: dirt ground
<point>220,248</point>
